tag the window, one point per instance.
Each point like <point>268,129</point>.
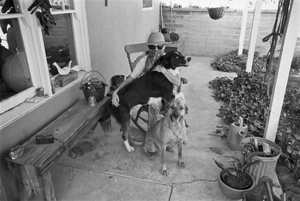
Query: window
<point>14,74</point>
<point>59,45</point>
<point>29,49</point>
<point>147,3</point>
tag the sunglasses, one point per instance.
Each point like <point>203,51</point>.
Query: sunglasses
<point>153,47</point>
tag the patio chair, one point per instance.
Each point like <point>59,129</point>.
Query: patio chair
<point>141,49</point>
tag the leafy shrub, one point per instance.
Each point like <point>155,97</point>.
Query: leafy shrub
<point>296,63</point>
<point>246,96</point>
<point>232,62</point>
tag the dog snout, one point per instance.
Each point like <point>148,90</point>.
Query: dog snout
<point>176,115</point>
<point>188,59</point>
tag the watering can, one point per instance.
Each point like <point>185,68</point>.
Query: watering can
<point>236,134</point>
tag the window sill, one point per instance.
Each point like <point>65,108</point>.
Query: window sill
<point>26,107</point>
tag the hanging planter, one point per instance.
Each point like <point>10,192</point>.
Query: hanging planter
<point>216,12</point>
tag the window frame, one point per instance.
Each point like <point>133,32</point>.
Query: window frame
<point>32,35</point>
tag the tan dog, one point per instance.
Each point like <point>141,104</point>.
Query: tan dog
<point>168,132</point>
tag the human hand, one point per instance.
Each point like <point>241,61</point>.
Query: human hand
<point>115,99</point>
<point>160,69</point>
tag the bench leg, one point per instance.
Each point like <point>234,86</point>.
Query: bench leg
<point>48,189</point>
<point>22,179</point>
<point>106,125</point>
<point>105,121</point>
<point>28,182</point>
<point>42,185</point>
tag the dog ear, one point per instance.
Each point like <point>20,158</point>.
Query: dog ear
<point>165,62</point>
<point>186,109</point>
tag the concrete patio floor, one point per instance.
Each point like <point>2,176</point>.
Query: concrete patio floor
<point>109,172</point>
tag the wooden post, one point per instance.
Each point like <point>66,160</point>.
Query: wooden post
<point>253,36</point>
<point>243,27</point>
<point>291,32</point>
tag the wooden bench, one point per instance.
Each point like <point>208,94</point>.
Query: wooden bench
<point>31,171</point>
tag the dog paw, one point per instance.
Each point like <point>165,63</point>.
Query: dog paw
<point>165,172</point>
<point>181,164</point>
<point>128,147</point>
<point>170,149</point>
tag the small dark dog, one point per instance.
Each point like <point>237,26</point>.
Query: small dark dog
<point>151,85</point>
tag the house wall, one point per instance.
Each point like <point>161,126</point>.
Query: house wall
<point>205,36</point>
<point>110,28</point>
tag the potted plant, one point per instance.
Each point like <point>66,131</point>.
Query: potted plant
<point>235,180</point>
<point>268,153</point>
<point>94,87</point>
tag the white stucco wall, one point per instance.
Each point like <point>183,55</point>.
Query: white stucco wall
<point>113,26</point>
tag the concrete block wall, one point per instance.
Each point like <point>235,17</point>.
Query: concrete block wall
<point>205,36</point>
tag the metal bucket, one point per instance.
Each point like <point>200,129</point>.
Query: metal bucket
<point>97,93</point>
<point>268,163</point>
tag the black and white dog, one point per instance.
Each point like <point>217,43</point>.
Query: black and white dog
<point>153,84</point>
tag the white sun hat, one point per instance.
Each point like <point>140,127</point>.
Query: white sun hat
<point>156,38</point>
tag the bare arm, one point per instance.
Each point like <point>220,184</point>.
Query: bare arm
<point>115,97</point>
<point>137,71</point>
<point>173,76</point>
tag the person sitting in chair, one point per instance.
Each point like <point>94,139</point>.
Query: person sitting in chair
<point>156,44</point>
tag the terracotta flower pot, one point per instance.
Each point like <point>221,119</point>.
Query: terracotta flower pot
<point>232,193</point>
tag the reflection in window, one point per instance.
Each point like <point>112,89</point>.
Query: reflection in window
<point>14,74</point>
<point>59,45</point>
<point>147,3</point>
<point>60,4</point>
<point>9,7</point>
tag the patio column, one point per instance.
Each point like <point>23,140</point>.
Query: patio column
<point>253,36</point>
<point>291,33</point>
<point>243,27</point>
